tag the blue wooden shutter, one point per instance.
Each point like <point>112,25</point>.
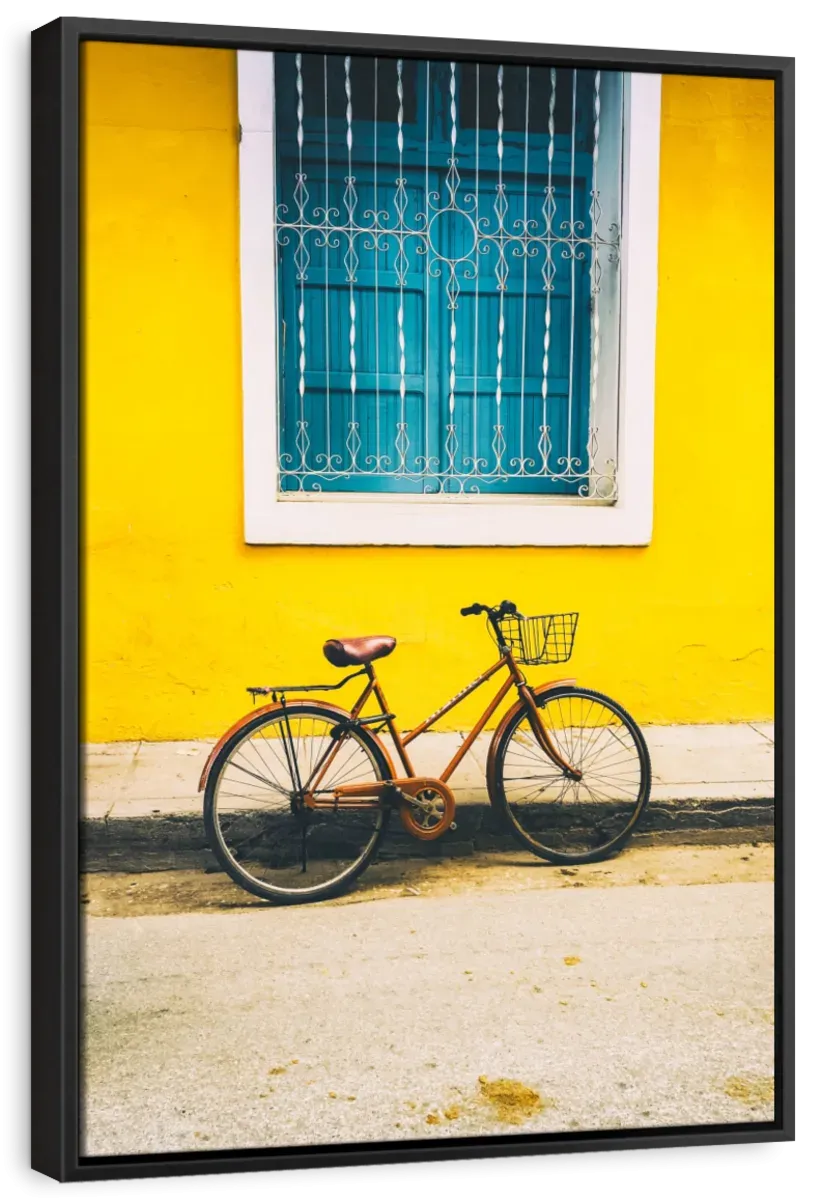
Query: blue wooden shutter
<point>416,281</point>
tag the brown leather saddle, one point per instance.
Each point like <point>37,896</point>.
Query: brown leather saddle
<point>357,651</point>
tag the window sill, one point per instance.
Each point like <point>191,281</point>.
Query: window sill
<point>349,522</point>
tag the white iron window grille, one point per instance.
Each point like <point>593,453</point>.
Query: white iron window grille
<point>447,300</point>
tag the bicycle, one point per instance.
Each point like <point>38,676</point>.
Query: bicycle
<point>298,793</point>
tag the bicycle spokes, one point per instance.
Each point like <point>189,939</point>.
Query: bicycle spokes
<point>266,824</point>
<point>591,809</point>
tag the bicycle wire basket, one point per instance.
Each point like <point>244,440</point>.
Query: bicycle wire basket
<point>534,640</point>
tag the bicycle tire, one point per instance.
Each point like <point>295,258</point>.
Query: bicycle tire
<point>216,838</point>
<point>514,817</point>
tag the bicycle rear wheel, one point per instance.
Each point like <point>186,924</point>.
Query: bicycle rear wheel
<point>262,833</point>
<point>561,819</point>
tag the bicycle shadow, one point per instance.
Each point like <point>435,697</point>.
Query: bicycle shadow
<point>408,875</point>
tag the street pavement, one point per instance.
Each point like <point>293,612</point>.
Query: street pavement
<point>414,1016</point>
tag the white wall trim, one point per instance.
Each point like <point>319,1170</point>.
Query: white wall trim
<point>272,518</point>
<point>258,304</point>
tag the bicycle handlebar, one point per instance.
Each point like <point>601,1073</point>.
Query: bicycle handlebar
<point>506,609</point>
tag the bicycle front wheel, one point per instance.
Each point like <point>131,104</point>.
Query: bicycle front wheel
<point>259,828</point>
<point>565,820</point>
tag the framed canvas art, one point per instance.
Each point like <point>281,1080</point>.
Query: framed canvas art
<point>419,669</point>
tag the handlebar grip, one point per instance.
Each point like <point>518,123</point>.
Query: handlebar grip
<point>473,610</point>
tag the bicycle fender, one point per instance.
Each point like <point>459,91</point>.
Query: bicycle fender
<point>266,708</point>
<point>512,714</point>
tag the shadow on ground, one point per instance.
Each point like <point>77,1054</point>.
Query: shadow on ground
<point>153,893</point>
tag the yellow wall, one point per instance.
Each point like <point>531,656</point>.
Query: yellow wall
<point>181,615</point>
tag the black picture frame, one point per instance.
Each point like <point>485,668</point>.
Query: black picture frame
<point>56,590</point>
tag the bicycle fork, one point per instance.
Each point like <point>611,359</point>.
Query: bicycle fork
<point>542,735</point>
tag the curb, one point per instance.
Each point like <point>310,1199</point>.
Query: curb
<point>178,841</point>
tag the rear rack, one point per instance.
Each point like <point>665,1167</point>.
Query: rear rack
<point>378,719</point>
<point>304,687</point>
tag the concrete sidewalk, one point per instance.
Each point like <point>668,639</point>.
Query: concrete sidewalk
<point>141,801</point>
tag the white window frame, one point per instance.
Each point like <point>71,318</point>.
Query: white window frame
<point>272,517</point>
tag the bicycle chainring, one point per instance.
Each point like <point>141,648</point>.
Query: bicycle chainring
<point>429,813</point>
